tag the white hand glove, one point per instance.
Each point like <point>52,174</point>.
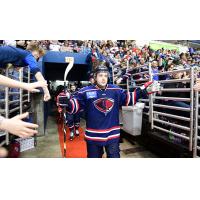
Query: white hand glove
<point>152,87</point>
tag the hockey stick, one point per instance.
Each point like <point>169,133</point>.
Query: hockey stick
<point>127,81</point>
<point>112,74</point>
<point>69,60</point>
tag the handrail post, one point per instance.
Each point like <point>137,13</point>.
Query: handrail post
<point>150,99</point>
<point>21,90</point>
<point>191,107</point>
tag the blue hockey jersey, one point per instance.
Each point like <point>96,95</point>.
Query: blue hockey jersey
<point>102,110</point>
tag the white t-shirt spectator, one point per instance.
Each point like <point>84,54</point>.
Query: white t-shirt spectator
<point>10,43</point>
<point>114,49</point>
<point>66,49</point>
<point>54,47</point>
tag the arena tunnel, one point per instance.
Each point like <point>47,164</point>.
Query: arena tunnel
<point>53,66</point>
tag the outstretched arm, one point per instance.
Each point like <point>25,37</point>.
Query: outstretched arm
<point>32,63</point>
<point>197,85</point>
<point>131,98</point>
<point>31,87</point>
<point>40,77</point>
<point>18,127</point>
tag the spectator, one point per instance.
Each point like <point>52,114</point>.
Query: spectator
<point>117,59</point>
<point>10,43</point>
<point>15,125</point>
<point>154,67</point>
<point>183,58</point>
<point>93,59</point>
<point>54,45</point>
<point>179,75</point>
<point>121,52</point>
<point>85,48</point>
<point>45,44</point>
<point>65,47</point>
<point>152,56</point>
<point>76,49</point>
<point>22,44</point>
<point>31,87</point>
<point>21,58</point>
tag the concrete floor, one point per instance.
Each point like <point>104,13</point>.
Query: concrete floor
<point>48,146</point>
<point>128,150</point>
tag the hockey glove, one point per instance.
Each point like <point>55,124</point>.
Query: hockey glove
<point>63,99</point>
<point>59,109</point>
<point>151,87</point>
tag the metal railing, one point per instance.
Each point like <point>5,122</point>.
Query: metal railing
<point>9,106</point>
<point>180,125</point>
<point>196,141</point>
<point>137,83</point>
<point>165,121</point>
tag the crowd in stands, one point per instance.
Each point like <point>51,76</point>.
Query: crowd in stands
<point>118,54</point>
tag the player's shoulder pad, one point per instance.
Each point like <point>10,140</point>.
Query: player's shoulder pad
<point>85,89</point>
<point>113,86</point>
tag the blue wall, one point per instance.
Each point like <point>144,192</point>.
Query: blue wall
<point>59,57</point>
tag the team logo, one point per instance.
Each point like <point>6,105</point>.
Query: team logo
<point>104,105</point>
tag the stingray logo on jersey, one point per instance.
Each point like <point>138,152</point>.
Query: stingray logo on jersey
<point>104,105</point>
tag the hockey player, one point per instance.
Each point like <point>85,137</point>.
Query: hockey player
<point>101,103</point>
<point>72,120</point>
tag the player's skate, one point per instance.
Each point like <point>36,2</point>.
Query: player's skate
<point>77,132</point>
<point>71,135</point>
